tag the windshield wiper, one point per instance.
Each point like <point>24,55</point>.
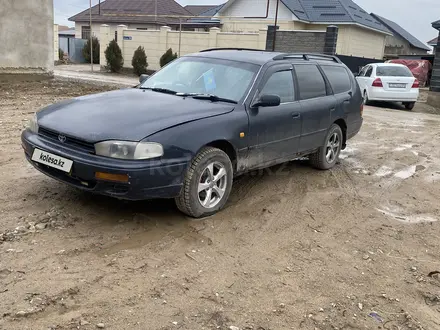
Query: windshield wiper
<point>210,97</point>
<point>160,90</point>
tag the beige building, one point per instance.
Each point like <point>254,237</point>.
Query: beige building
<point>360,34</point>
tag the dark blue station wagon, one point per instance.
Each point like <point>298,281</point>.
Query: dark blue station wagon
<point>188,130</point>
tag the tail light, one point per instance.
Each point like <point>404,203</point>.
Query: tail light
<point>416,84</point>
<point>377,83</point>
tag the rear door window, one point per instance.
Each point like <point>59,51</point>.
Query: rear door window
<point>393,71</point>
<point>310,81</point>
<point>338,78</point>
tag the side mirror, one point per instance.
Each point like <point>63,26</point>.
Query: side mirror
<point>267,100</point>
<point>143,77</point>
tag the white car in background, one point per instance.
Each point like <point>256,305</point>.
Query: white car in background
<point>388,82</point>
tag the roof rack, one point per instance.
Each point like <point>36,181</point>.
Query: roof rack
<point>245,49</point>
<point>307,57</point>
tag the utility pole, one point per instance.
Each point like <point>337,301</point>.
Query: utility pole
<point>91,37</point>
<point>180,34</point>
<point>275,27</point>
<point>155,12</point>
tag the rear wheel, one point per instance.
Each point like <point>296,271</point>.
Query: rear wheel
<point>409,105</point>
<point>327,155</point>
<point>207,184</point>
<point>366,100</point>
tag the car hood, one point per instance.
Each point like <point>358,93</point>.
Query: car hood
<point>129,114</point>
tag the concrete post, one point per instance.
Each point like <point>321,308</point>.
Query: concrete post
<point>104,39</point>
<point>331,40</point>
<point>435,78</point>
<point>262,38</point>
<point>56,43</point>
<point>213,32</point>
<point>163,39</point>
<point>270,37</point>
<point>120,34</point>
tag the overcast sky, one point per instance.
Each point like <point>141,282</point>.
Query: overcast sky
<point>413,15</point>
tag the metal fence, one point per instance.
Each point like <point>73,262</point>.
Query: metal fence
<point>74,48</point>
<point>355,64</point>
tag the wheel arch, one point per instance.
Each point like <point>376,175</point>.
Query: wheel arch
<point>227,147</point>
<point>343,125</point>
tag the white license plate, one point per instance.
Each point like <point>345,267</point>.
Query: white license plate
<point>397,85</point>
<point>52,160</point>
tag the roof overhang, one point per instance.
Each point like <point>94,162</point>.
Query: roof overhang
<point>351,23</point>
<point>436,25</point>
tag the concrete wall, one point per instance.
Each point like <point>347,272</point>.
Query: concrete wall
<point>96,27</point>
<point>156,42</point>
<point>27,38</point>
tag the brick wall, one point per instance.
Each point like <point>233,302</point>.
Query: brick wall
<point>307,41</point>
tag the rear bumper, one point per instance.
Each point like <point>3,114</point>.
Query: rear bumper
<point>354,128</point>
<point>147,179</point>
<point>379,94</point>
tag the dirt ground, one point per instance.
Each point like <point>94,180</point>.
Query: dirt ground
<point>356,247</point>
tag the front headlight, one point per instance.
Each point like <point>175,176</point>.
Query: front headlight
<point>129,150</point>
<point>33,124</point>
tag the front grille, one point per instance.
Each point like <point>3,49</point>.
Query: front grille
<point>69,141</point>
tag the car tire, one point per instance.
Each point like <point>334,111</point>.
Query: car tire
<point>327,156</point>
<point>365,98</point>
<point>409,105</point>
<point>210,169</point>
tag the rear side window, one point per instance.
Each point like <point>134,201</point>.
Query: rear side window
<point>310,81</point>
<point>369,71</point>
<point>281,84</point>
<point>338,77</point>
<point>393,71</point>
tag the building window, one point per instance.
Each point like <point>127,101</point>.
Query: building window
<point>85,32</point>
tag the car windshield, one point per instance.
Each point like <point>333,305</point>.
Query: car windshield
<point>191,75</point>
<point>393,71</point>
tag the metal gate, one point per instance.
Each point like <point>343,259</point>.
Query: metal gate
<point>74,48</point>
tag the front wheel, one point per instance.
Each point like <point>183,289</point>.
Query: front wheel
<point>409,105</point>
<point>327,155</point>
<point>207,184</point>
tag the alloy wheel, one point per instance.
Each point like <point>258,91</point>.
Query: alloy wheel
<point>332,149</point>
<point>212,185</point>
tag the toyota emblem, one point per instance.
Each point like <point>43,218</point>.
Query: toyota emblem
<point>62,138</point>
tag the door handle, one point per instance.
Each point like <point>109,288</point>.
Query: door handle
<point>332,109</point>
<point>296,115</point>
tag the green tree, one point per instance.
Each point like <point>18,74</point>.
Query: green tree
<point>113,55</point>
<point>86,50</point>
<point>167,57</point>
<point>139,61</point>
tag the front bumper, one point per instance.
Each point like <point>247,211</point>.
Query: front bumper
<point>147,179</point>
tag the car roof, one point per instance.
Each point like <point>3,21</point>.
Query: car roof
<point>259,57</point>
<point>249,56</point>
<point>389,64</point>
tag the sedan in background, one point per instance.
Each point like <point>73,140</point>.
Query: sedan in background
<point>388,82</point>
